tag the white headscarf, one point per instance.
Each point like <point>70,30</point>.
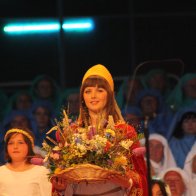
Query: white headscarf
<point>188,168</point>
<point>184,175</point>
<point>189,161</point>
<point>168,159</point>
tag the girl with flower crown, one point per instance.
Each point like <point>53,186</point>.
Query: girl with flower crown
<point>19,177</point>
<point>97,103</point>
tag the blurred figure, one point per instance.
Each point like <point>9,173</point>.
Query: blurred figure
<point>42,116</point>
<point>70,101</point>
<point>17,119</point>
<point>184,94</point>
<point>182,134</point>
<point>153,108</point>
<point>157,79</point>
<point>45,88</point>
<point>132,116</point>
<point>161,156</point>
<point>126,95</point>
<point>159,188</point>
<point>21,100</point>
<point>190,167</point>
<point>177,180</point>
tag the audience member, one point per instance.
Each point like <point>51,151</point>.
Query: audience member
<point>157,79</point>
<point>182,134</point>
<point>190,167</point>
<point>21,100</point>
<point>18,176</point>
<point>160,188</point>
<point>177,180</point>
<point>126,95</point>
<point>184,94</point>
<point>70,101</point>
<point>42,118</point>
<point>45,88</point>
<point>153,108</point>
<point>161,156</point>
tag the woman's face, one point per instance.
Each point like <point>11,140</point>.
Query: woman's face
<point>156,191</point>
<point>42,117</point>
<point>156,150</point>
<point>44,89</point>
<point>189,125</point>
<point>149,105</point>
<point>23,102</point>
<point>17,147</point>
<point>95,99</point>
<point>175,182</point>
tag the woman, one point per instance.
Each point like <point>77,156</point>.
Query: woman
<point>190,167</point>
<point>182,134</point>
<point>159,188</point>
<point>18,177</point>
<point>177,180</point>
<point>97,100</point>
<point>161,156</point>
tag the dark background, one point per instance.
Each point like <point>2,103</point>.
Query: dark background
<point>126,33</point>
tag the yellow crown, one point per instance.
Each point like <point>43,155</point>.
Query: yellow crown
<point>99,70</point>
<point>22,132</point>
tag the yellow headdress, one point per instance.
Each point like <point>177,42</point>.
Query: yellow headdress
<point>20,131</point>
<point>100,70</point>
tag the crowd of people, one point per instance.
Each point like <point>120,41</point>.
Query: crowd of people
<point>168,107</point>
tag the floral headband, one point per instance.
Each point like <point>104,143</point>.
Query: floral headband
<point>22,132</point>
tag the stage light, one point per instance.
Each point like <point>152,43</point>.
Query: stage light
<point>31,27</point>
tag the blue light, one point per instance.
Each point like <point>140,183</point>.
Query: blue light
<point>30,27</point>
<point>78,25</point>
<point>36,28</point>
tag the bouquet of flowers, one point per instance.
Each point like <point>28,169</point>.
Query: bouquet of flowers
<point>90,153</point>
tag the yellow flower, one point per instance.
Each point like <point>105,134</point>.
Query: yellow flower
<point>120,161</point>
<point>57,171</point>
<point>111,132</point>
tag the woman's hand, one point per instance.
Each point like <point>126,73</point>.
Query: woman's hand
<point>120,180</point>
<point>59,183</point>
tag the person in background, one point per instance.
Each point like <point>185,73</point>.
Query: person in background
<point>154,111</point>
<point>157,79</point>
<point>45,88</point>
<point>190,167</point>
<point>21,100</point>
<point>161,156</point>
<point>70,102</point>
<point>184,93</point>
<point>42,116</point>
<point>177,180</point>
<point>97,99</point>
<point>18,177</point>
<point>132,116</point>
<point>159,188</point>
<point>127,93</point>
<point>182,134</point>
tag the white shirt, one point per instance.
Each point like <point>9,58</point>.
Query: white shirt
<point>32,182</point>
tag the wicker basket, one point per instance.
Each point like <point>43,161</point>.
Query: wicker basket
<point>86,172</point>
